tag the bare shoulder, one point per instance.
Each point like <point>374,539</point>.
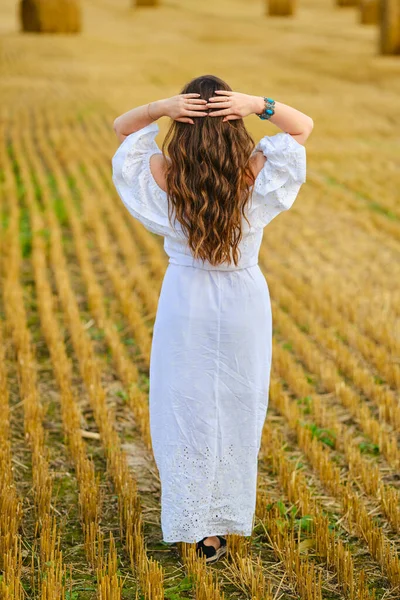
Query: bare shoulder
<point>158,165</point>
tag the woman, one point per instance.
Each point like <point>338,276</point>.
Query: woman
<point>210,199</point>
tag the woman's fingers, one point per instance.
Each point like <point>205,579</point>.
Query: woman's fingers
<point>200,107</point>
<point>219,99</point>
<point>185,120</point>
<point>219,113</point>
<point>196,113</point>
<point>225,104</point>
<point>194,106</point>
<point>196,101</point>
<point>189,106</point>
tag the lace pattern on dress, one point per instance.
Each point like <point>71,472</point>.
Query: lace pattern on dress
<point>135,183</point>
<point>279,181</point>
<point>207,495</point>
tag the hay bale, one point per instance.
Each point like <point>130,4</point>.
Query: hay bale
<point>369,12</point>
<point>389,37</point>
<point>281,8</point>
<point>145,2</point>
<point>50,16</point>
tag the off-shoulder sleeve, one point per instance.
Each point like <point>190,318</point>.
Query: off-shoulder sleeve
<point>279,181</point>
<point>134,182</point>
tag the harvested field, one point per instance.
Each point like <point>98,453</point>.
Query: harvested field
<point>79,284</point>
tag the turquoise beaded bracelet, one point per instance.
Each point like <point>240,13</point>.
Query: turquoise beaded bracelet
<point>268,110</point>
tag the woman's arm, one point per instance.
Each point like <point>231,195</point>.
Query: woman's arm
<point>287,118</point>
<point>179,108</point>
<point>236,105</point>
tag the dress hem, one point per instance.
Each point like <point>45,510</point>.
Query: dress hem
<point>217,532</point>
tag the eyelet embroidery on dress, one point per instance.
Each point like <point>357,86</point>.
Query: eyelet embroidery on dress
<point>280,179</point>
<point>207,495</point>
<point>147,202</point>
<point>159,193</point>
<point>246,242</point>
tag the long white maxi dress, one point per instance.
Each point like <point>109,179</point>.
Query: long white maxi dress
<point>211,348</point>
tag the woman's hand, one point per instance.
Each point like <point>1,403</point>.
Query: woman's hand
<point>234,105</point>
<point>184,106</point>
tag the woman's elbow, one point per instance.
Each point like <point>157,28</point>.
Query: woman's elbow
<point>115,125</point>
<point>308,127</point>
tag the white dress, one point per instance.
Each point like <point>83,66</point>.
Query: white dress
<point>211,349</point>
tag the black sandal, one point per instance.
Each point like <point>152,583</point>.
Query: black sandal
<point>212,554</point>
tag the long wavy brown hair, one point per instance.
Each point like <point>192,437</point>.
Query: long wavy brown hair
<point>208,178</point>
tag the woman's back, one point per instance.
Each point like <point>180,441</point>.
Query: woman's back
<point>277,183</point>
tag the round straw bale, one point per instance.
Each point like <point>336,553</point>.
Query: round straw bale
<point>281,8</point>
<point>50,16</point>
<point>389,36</point>
<point>369,12</point>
